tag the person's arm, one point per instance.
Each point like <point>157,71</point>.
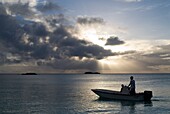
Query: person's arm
<point>130,83</point>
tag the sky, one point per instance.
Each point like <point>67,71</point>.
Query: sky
<point>75,36</point>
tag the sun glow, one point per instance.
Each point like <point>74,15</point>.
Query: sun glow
<point>118,65</point>
<point>92,36</point>
<point>110,65</point>
<point>99,37</point>
<point>119,48</point>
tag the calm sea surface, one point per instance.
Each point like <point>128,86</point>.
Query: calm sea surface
<point>71,94</point>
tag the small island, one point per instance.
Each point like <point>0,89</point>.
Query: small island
<point>29,74</point>
<point>91,73</point>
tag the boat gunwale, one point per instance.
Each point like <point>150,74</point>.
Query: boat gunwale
<point>114,92</point>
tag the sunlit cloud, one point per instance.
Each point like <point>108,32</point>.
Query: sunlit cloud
<point>58,48</point>
<point>31,2</point>
<point>49,39</point>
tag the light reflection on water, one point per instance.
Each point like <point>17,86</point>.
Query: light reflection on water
<point>70,94</point>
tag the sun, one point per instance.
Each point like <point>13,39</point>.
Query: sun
<point>92,36</point>
<point>119,48</point>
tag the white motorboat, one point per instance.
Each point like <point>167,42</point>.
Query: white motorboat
<point>123,94</point>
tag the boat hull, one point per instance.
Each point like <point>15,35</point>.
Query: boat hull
<point>116,95</point>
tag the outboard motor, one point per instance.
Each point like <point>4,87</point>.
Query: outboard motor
<point>147,95</point>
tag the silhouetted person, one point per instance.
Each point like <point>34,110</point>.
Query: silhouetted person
<point>132,86</point>
<point>122,86</point>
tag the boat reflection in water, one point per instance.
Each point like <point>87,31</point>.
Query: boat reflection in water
<point>120,106</point>
<point>132,105</point>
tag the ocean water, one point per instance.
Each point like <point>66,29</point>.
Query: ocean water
<point>71,94</point>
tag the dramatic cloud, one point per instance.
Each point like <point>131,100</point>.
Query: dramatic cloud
<point>42,34</point>
<point>73,64</point>
<point>20,9</point>
<point>24,40</point>
<point>31,2</point>
<point>2,10</point>
<point>30,8</point>
<point>161,56</point>
<point>47,6</point>
<point>156,61</point>
<point>114,41</point>
<point>71,46</point>
<point>9,27</point>
<point>90,20</point>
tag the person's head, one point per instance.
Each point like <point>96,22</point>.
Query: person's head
<point>131,78</point>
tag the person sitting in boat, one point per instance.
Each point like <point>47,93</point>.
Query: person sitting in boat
<point>124,89</point>
<point>132,86</point>
<point>122,86</point>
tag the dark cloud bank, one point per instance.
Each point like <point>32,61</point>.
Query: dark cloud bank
<point>48,42</point>
<point>24,40</point>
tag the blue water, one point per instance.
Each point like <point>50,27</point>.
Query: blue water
<point>71,94</point>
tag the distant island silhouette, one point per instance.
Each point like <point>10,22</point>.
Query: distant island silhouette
<point>29,74</point>
<point>91,73</point>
